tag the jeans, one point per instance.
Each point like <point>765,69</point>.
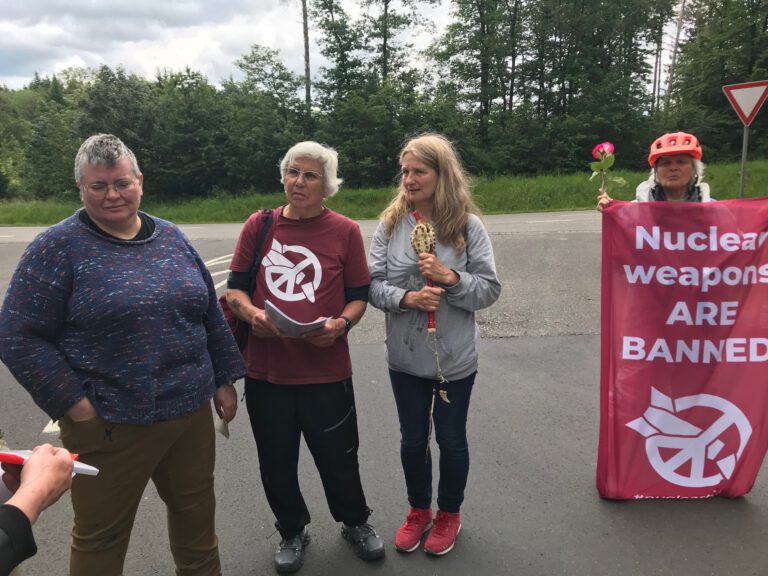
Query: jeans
<point>413,396</point>
<point>325,415</point>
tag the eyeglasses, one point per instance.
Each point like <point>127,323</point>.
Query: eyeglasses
<point>103,188</point>
<point>310,177</point>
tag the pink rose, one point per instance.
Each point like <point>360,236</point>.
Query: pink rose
<point>601,150</point>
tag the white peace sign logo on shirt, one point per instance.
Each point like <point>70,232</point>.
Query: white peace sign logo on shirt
<point>679,450</point>
<point>288,281</point>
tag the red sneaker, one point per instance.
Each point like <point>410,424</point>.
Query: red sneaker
<point>409,535</point>
<point>443,535</point>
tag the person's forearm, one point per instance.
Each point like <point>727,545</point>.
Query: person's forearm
<point>29,501</point>
<point>17,543</point>
<point>354,310</point>
<point>240,305</point>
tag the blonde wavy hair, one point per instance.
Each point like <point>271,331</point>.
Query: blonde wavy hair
<point>453,201</point>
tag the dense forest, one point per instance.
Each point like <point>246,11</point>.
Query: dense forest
<point>522,87</point>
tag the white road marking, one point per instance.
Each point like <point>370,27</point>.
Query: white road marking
<point>548,221</point>
<point>220,284</point>
<point>219,259</point>
<point>51,428</point>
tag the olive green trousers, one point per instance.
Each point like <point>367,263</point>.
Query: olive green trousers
<point>178,456</point>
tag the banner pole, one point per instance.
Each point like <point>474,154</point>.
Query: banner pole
<point>743,178</point>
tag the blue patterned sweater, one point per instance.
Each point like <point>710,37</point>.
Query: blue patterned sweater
<point>133,325</point>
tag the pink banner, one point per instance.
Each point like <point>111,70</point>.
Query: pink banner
<point>684,349</point>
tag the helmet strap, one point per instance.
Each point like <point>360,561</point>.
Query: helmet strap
<point>694,193</point>
<point>657,193</point>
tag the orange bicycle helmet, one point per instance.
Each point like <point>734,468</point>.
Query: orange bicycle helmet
<point>674,143</point>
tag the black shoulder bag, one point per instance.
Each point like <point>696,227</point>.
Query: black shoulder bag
<point>240,329</point>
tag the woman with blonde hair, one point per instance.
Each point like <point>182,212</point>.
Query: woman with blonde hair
<point>430,292</point>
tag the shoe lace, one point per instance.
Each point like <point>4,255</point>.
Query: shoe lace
<point>291,544</point>
<point>413,517</point>
<point>443,524</point>
<point>362,532</point>
<point>414,520</point>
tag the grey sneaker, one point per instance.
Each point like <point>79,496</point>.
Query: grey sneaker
<point>289,556</point>
<point>366,543</point>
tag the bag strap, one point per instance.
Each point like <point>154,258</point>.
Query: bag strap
<point>267,216</point>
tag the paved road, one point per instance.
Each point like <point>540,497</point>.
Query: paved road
<point>531,506</point>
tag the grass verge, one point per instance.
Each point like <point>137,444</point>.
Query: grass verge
<point>502,195</point>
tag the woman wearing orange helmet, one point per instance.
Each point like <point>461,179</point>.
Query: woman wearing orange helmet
<point>676,172</point>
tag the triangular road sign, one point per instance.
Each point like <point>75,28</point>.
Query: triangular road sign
<point>747,98</point>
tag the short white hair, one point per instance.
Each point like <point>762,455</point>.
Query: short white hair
<point>103,150</point>
<point>327,157</point>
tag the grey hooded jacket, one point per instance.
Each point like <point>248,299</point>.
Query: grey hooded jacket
<point>393,264</point>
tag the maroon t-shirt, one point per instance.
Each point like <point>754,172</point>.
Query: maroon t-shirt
<point>304,271</point>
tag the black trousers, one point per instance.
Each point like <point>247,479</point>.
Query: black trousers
<point>325,414</point>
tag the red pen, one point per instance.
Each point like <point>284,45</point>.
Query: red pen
<point>19,457</point>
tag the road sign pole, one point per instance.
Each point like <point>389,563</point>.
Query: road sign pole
<point>744,145</point>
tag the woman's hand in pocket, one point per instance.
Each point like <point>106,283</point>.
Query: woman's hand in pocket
<point>82,410</point>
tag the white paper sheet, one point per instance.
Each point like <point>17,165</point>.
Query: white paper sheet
<point>287,325</point>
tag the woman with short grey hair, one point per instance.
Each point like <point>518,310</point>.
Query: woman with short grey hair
<point>112,324</point>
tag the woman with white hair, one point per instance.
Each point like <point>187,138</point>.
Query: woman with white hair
<point>676,172</point>
<point>313,267</point>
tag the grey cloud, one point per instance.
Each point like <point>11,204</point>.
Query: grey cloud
<point>18,62</point>
<point>25,60</point>
<point>45,35</point>
<point>130,13</point>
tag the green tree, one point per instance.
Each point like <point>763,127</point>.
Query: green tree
<point>368,128</point>
<point>50,152</point>
<point>17,110</point>
<point>727,43</point>
<point>383,22</point>
<point>116,102</point>
<point>5,188</point>
<point>266,73</point>
<point>256,136</point>
<point>187,150</point>
<point>341,42</point>
<point>471,52</point>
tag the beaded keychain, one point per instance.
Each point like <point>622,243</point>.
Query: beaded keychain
<point>423,239</point>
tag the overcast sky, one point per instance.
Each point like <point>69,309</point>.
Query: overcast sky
<point>47,36</point>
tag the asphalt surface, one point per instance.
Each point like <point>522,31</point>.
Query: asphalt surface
<point>531,507</point>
